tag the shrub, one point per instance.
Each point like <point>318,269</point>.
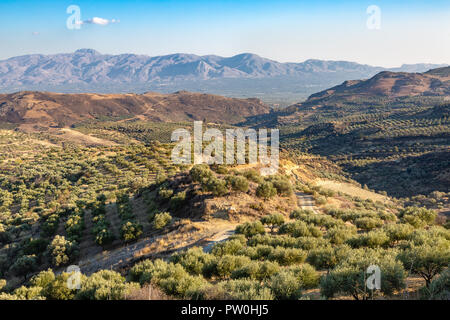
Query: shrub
<point>55,287</point>
<point>417,217</point>
<point>249,271</point>
<point>273,220</point>
<point>237,183</point>
<point>24,265</point>
<point>178,200</point>
<point>161,220</point>
<point>105,285</point>
<point>23,293</point>
<point>245,289</point>
<point>104,237</point>
<point>367,223</point>
<point>160,177</point>
<point>34,246</point>
<point>253,175</point>
<point>426,260</point>
<point>286,286</point>
<point>372,239</point>
<point>50,225</point>
<point>2,284</point>
<point>310,217</point>
<point>130,231</point>
<point>144,272</point>
<point>339,235</point>
<point>398,232</point>
<point>62,251</point>
<point>165,194</point>
<point>200,172</point>
<point>327,257</point>
<point>300,229</point>
<point>430,236</point>
<point>283,186</point>
<point>267,269</point>
<point>221,169</point>
<point>217,187</point>
<point>227,247</point>
<point>228,263</point>
<point>301,214</point>
<point>172,278</point>
<point>309,278</point>
<point>183,285</point>
<point>287,256</point>
<point>250,229</point>
<point>194,260</point>
<point>320,200</point>
<point>349,277</point>
<point>263,252</point>
<point>439,288</point>
<point>266,190</point>
<point>43,278</point>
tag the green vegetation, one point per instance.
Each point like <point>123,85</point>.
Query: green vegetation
<point>60,203</point>
<point>161,220</point>
<point>387,144</point>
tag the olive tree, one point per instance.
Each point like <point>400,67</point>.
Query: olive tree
<point>426,260</point>
<point>273,220</point>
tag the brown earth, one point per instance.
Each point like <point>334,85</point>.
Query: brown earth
<point>392,85</point>
<point>42,110</point>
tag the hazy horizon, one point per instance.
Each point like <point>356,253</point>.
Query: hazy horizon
<point>400,32</point>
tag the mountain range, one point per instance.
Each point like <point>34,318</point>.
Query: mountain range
<point>243,75</point>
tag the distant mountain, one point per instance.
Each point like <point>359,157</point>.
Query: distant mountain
<point>39,110</point>
<point>87,70</point>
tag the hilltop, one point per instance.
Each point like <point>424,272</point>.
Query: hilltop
<point>435,82</point>
<point>40,110</point>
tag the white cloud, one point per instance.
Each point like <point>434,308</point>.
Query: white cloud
<point>35,33</point>
<point>99,21</point>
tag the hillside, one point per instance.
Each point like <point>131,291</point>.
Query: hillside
<point>139,226</point>
<point>43,109</point>
<point>391,85</point>
<point>88,181</point>
<point>391,132</point>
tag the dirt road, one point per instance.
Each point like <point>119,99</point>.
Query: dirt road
<point>306,202</point>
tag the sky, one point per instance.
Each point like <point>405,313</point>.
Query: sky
<point>376,32</point>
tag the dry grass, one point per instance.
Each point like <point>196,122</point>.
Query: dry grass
<point>351,190</point>
<point>78,137</point>
<point>148,292</point>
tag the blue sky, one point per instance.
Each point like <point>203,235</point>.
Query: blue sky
<point>411,31</point>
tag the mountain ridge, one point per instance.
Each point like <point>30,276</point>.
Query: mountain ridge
<point>87,70</point>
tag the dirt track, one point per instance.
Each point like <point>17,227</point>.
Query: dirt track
<point>306,202</point>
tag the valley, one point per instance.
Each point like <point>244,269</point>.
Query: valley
<point>87,180</point>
